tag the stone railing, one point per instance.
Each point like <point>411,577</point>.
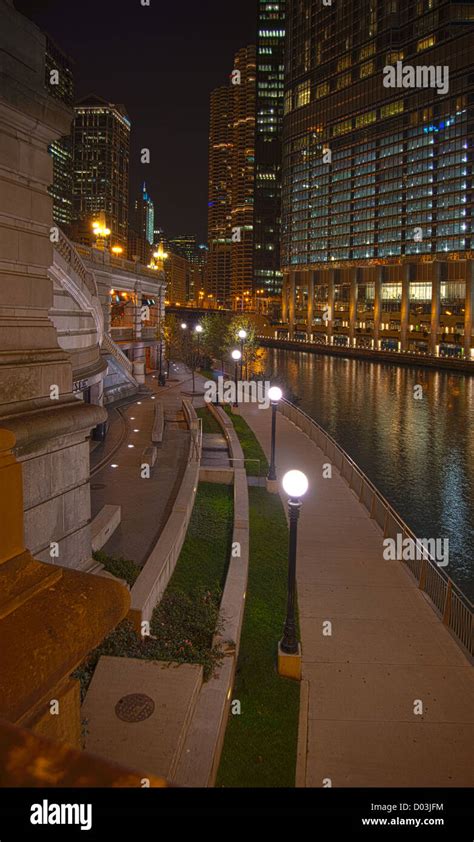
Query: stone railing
<point>70,253</point>
<point>110,347</point>
<point>159,566</point>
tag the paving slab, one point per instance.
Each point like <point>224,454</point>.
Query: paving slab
<point>138,712</point>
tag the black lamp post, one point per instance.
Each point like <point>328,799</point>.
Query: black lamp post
<point>295,484</point>
<point>242,335</point>
<point>236,356</point>
<point>275,395</point>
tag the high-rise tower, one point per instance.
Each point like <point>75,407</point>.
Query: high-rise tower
<point>231,183</point>
<point>377,174</point>
<point>101,152</point>
<point>268,144</point>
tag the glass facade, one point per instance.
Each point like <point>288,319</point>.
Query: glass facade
<point>270,89</point>
<point>377,186</point>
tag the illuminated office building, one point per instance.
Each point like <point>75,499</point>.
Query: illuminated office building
<point>59,82</point>
<point>231,183</point>
<point>377,174</point>
<point>101,152</point>
<point>268,148</point>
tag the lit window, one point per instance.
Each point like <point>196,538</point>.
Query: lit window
<point>425,43</point>
<point>303,94</point>
<point>367,69</point>
<point>322,90</point>
<point>343,81</point>
<point>392,109</point>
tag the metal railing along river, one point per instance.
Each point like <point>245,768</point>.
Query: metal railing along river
<point>451,604</point>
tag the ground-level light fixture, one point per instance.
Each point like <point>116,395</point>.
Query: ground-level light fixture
<point>275,394</point>
<point>295,483</point>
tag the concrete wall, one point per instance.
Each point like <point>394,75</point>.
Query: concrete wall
<point>51,432</point>
<point>159,566</point>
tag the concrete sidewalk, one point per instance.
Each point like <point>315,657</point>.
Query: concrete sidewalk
<point>146,504</point>
<point>388,650</point>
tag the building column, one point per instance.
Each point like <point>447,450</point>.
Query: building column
<point>284,300</point>
<point>468,308</point>
<point>330,307</point>
<point>309,327</point>
<point>291,306</point>
<point>353,306</point>
<point>50,427</point>
<point>405,306</point>
<point>378,307</point>
<point>435,301</point>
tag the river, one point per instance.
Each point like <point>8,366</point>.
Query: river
<point>418,452</point>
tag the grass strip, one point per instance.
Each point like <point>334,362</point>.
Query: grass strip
<point>261,743</point>
<point>250,446</point>
<point>184,622</point>
<point>209,423</point>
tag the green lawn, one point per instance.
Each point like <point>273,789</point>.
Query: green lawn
<point>209,423</point>
<point>250,446</point>
<point>184,622</point>
<point>205,554</point>
<point>260,744</point>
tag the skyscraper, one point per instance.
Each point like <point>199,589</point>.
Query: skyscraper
<point>231,183</point>
<point>377,184</point>
<point>144,216</point>
<point>220,194</point>
<point>268,144</point>
<point>101,152</point>
<point>59,82</point>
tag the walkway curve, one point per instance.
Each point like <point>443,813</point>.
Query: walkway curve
<point>389,692</point>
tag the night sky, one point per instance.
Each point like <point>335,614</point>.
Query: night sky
<point>161,62</point>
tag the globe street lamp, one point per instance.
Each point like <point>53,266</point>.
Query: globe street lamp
<point>242,335</point>
<point>295,483</point>
<point>198,330</point>
<point>275,394</point>
<point>183,325</point>
<point>236,356</point>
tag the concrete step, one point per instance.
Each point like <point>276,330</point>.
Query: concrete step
<point>138,712</point>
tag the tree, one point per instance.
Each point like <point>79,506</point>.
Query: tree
<point>214,336</point>
<point>250,345</point>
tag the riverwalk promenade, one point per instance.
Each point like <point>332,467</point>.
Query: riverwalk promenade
<point>386,696</point>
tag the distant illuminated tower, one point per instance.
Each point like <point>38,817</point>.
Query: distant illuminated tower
<point>231,182</point>
<point>58,67</point>
<point>145,216</point>
<point>268,146</point>
<point>101,152</point>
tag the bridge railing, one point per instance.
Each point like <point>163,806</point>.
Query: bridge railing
<point>455,609</point>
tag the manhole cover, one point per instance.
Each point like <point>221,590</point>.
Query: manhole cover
<point>134,708</point>
<point>97,486</point>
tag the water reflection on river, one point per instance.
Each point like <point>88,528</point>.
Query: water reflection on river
<point>419,453</point>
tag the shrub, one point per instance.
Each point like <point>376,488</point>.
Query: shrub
<point>122,568</point>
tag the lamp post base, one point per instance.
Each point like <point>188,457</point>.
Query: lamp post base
<point>272,486</point>
<point>290,665</point>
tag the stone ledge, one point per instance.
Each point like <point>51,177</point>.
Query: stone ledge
<point>199,761</point>
<point>104,525</point>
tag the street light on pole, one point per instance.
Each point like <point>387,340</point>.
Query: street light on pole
<point>198,330</point>
<point>236,356</point>
<point>295,483</point>
<point>242,335</point>
<point>275,394</point>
